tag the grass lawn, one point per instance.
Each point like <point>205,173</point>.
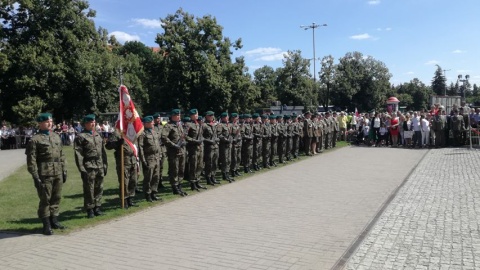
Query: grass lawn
<point>19,200</point>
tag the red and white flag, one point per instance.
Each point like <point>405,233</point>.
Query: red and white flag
<point>129,122</point>
<point>356,112</point>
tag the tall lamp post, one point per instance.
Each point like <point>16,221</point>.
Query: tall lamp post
<point>464,86</point>
<point>445,76</point>
<point>313,26</point>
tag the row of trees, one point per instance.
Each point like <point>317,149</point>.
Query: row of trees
<point>52,57</point>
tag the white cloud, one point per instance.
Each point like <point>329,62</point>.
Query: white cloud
<point>148,23</point>
<point>373,2</point>
<point>459,51</point>
<point>265,54</point>
<point>361,36</point>
<point>122,37</point>
<point>388,29</point>
<point>432,62</point>
<point>410,73</point>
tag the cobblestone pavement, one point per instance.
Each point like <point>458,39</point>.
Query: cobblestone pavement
<point>434,220</point>
<point>10,160</point>
<point>301,216</point>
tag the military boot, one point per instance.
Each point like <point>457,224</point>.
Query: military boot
<point>193,186</point>
<point>154,197</point>
<point>55,224</point>
<point>97,211</point>
<point>232,173</point>
<point>199,186</point>
<point>215,180</point>
<point>47,229</point>
<point>181,192</point>
<point>131,202</point>
<point>237,173</point>
<point>90,213</point>
<point>148,197</point>
<point>250,170</point>
<point>245,169</point>
<point>210,181</point>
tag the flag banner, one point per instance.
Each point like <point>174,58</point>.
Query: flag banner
<point>129,122</point>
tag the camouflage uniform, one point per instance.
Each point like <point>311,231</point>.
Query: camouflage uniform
<point>247,146</point>
<point>91,160</point>
<point>150,155</point>
<point>159,129</point>
<point>224,133</point>
<point>194,140</point>
<point>266,144</point>
<point>257,130</point>
<point>308,135</point>
<point>236,146</point>
<point>173,136</point>
<point>210,141</point>
<point>282,140</point>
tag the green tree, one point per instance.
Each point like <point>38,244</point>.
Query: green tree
<point>439,82</point>
<point>28,109</point>
<point>420,94</point>
<point>294,83</point>
<point>327,80</point>
<point>264,78</point>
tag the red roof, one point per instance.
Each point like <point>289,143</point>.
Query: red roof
<point>393,99</point>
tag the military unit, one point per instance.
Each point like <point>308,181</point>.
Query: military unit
<point>194,146</point>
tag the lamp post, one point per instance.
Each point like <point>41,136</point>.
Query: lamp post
<point>445,76</point>
<point>464,86</point>
<point>313,26</point>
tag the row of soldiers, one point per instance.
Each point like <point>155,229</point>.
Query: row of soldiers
<point>192,148</point>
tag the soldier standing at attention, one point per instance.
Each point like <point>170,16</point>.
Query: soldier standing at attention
<point>282,139</point>
<point>158,127</point>
<point>308,133</point>
<point>335,129</point>
<point>194,140</point>
<point>116,142</point>
<point>273,139</point>
<point>236,145</point>
<point>247,143</point>
<point>150,154</point>
<point>91,160</point>
<point>257,130</point>
<point>46,163</point>
<point>224,132</point>
<point>266,136</point>
<point>288,137</point>
<point>173,136</point>
<point>210,141</point>
<point>296,133</point>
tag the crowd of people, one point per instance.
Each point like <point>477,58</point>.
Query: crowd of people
<point>196,147</point>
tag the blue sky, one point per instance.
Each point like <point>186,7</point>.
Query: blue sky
<point>409,36</point>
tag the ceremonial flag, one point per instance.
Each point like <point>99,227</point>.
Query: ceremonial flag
<point>356,112</point>
<point>129,122</point>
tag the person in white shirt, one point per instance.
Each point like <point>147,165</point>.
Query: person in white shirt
<point>425,130</point>
<point>416,126</point>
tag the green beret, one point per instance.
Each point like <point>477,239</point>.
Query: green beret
<point>241,116</point>
<point>247,115</point>
<point>200,118</point>
<point>224,114</point>
<point>147,119</point>
<point>307,112</point>
<point>233,115</point>
<point>193,111</point>
<point>175,112</point>
<point>272,116</point>
<point>264,116</point>
<point>44,117</point>
<point>209,113</point>
<point>186,119</point>
<point>89,118</point>
<point>286,116</point>
<point>156,115</point>
<point>294,115</point>
<point>255,115</point>
<point>279,117</point>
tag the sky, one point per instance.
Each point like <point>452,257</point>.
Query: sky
<point>410,36</point>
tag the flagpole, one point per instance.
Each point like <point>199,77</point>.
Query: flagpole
<point>122,169</point>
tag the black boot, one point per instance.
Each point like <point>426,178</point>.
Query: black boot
<point>250,170</point>
<point>215,180</point>
<point>224,176</point>
<point>232,173</point>
<point>175,190</point>
<point>148,197</point>
<point>97,211</point>
<point>199,186</point>
<point>237,173</point>
<point>90,213</point>
<point>125,203</point>
<point>154,197</point>
<point>181,192</point>
<point>210,181</point>
<point>47,229</point>
<point>130,202</point>
<point>245,169</point>
<point>55,224</point>
<point>193,186</point>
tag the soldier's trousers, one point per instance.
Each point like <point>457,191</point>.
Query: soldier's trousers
<point>236,157</point>
<point>211,157</point>
<point>334,138</point>
<point>307,144</point>
<point>457,138</point>
<point>295,145</point>
<point>327,140</point>
<point>247,152</point>
<point>194,163</point>
<point>257,151</point>
<point>321,143</point>
<point>440,138</point>
<point>266,152</point>
<point>151,176</point>
<point>50,194</point>
<point>281,148</point>
<point>225,154</point>
<point>93,188</point>
<point>176,166</point>
<point>130,176</point>
<point>288,147</point>
<point>273,148</point>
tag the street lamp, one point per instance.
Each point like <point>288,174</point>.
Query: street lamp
<point>313,26</point>
<point>465,82</point>
<point>445,76</point>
